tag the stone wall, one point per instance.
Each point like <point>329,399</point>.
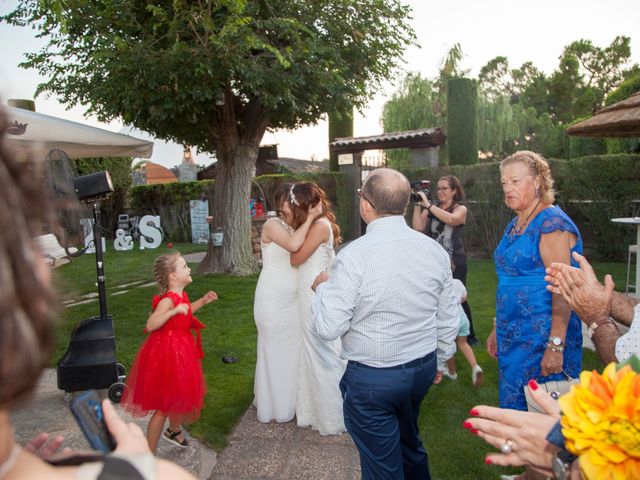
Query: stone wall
<point>256,230</point>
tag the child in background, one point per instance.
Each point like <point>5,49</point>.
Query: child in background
<point>166,376</point>
<point>477,375</point>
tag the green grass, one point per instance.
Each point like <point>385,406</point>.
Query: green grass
<point>454,453</point>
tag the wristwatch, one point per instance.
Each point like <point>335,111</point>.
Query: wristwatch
<point>561,464</point>
<point>555,341</point>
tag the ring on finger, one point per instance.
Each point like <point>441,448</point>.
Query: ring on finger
<point>507,447</point>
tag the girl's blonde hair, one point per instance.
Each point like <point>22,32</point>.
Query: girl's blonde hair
<point>163,266</point>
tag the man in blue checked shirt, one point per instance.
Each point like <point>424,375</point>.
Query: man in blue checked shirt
<point>389,297</point>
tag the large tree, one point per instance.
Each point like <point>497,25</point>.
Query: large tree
<point>217,75</point>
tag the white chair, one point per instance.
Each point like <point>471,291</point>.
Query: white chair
<point>633,250</point>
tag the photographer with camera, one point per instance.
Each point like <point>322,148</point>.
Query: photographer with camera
<point>444,223</point>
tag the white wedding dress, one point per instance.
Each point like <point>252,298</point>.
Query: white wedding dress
<point>276,313</point>
<point>319,402</point>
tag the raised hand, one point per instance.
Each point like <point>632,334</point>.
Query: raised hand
<point>209,297</point>
<point>316,210</point>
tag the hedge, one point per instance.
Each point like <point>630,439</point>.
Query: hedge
<point>171,200</point>
<point>591,189</point>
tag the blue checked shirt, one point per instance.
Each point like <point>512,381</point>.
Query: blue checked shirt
<point>390,297</point>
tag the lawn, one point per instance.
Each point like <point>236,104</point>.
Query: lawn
<point>454,453</point>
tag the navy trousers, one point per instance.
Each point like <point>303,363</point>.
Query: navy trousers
<point>381,408</point>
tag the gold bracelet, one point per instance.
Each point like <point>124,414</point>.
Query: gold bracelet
<point>593,326</point>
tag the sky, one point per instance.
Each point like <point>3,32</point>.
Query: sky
<point>519,30</point>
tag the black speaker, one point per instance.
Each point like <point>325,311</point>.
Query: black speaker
<point>94,185</point>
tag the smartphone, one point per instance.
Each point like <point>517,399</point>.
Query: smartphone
<point>87,410</point>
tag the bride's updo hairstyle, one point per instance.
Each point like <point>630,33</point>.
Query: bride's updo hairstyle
<point>305,195</point>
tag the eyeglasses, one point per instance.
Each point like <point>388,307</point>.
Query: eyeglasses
<point>361,195</point>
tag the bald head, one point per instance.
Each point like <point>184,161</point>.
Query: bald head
<point>388,190</point>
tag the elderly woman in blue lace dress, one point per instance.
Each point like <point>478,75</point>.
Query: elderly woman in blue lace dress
<point>536,335</point>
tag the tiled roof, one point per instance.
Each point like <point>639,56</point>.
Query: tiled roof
<point>422,138</point>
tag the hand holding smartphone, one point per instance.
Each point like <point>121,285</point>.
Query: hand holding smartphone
<point>87,410</point>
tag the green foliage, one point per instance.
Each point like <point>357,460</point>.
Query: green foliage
<point>602,68</point>
<point>497,128</point>
<point>496,79</point>
<point>583,146</point>
<point>119,169</point>
<point>624,91</point>
<point>412,106</point>
<point>592,190</point>
<point>340,126</point>
<point>462,121</point>
<point>162,66</point>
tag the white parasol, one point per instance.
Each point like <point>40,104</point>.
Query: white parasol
<point>35,131</point>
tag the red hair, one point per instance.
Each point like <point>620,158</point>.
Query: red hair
<point>307,195</point>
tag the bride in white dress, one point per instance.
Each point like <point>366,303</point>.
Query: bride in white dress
<point>276,313</point>
<point>319,402</point>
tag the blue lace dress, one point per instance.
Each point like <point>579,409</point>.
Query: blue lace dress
<point>523,308</point>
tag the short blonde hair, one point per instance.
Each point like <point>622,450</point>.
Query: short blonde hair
<point>539,167</point>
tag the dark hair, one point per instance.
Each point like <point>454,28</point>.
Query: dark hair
<point>308,194</point>
<point>281,195</point>
<point>389,190</point>
<point>454,183</point>
<point>27,303</point>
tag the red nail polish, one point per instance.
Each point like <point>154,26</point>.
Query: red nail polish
<point>467,425</point>
<point>533,385</point>
<point>474,431</point>
<point>474,412</point>
<point>487,461</point>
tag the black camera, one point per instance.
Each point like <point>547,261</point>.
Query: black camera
<point>421,186</point>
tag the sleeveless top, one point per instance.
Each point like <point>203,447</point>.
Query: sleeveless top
<point>451,238</point>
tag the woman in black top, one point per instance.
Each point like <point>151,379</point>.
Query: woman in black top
<point>445,223</point>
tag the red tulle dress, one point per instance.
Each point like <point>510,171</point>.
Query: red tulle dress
<point>167,372</point>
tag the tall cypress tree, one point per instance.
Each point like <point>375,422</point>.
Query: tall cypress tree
<point>462,121</point>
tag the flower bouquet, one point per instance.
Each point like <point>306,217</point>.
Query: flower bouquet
<point>601,421</point>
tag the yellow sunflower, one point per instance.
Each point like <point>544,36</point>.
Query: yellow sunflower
<point>601,423</point>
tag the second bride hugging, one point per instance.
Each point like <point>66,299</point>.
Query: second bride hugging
<point>297,373</point>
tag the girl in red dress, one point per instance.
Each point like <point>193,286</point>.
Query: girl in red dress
<point>166,376</point>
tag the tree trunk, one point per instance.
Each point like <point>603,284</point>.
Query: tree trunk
<point>230,210</point>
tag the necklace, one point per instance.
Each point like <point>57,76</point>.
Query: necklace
<point>10,462</point>
<point>517,230</point>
